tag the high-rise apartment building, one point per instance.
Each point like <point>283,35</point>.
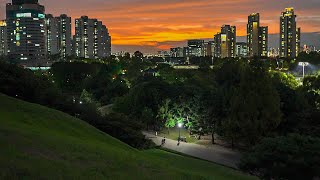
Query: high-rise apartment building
<point>225,42</point>
<point>51,35</point>
<point>195,48</point>
<point>217,45</point>
<point>65,35</point>
<point>241,49</point>
<point>26,36</point>
<point>3,38</point>
<point>257,37</point>
<point>176,52</point>
<point>208,49</point>
<point>289,34</point>
<point>264,41</point>
<point>58,33</point>
<point>104,42</point>
<point>92,39</point>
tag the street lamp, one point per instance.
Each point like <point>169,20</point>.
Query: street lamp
<point>179,126</point>
<point>303,64</point>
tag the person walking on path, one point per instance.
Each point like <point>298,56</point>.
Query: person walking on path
<point>163,141</point>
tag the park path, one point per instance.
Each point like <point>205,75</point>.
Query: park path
<point>213,153</point>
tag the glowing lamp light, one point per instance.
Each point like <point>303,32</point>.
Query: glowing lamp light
<point>303,64</point>
<point>180,125</point>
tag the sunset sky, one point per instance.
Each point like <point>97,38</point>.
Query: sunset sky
<point>160,24</point>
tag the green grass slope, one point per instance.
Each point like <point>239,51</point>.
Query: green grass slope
<point>40,143</point>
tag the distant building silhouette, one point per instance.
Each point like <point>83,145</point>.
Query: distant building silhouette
<point>26,36</point>
<point>3,38</point>
<point>225,42</point>
<point>289,34</point>
<point>257,37</point>
<point>58,35</point>
<point>92,39</point>
<point>241,49</point>
<point>195,48</point>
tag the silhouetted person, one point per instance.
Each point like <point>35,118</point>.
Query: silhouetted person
<point>163,141</point>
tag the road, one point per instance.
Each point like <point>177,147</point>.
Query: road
<point>214,153</point>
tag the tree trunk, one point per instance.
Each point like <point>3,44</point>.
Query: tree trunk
<point>232,143</point>
<point>213,142</point>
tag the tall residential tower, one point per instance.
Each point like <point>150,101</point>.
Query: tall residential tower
<point>92,39</point>
<point>289,34</point>
<point>58,33</point>
<point>257,37</point>
<point>26,37</point>
<point>225,42</point>
<point>3,38</point>
<point>195,48</point>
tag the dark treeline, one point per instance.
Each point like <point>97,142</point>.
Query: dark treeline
<point>266,113</point>
<point>52,90</point>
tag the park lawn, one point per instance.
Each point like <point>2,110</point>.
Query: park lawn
<point>41,143</point>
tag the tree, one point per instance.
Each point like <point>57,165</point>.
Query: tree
<point>186,110</point>
<point>70,77</point>
<point>227,78</point>
<point>286,157</point>
<point>147,117</point>
<point>212,113</point>
<point>105,88</point>
<point>165,115</point>
<point>180,110</point>
<point>138,55</point>
<point>86,97</point>
<point>249,105</point>
<point>294,106</point>
<point>255,108</point>
<point>149,94</point>
<point>311,86</point>
<point>312,57</point>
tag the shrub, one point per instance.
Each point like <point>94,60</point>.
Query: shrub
<point>290,157</point>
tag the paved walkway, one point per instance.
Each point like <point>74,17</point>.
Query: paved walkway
<point>214,153</point>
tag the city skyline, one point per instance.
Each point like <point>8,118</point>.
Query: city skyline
<point>32,37</point>
<point>158,25</point>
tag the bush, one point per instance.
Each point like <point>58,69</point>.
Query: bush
<point>291,157</point>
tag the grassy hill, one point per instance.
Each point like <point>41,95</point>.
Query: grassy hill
<point>40,143</point>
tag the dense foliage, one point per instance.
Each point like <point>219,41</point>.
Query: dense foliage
<point>312,57</point>
<point>290,157</point>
